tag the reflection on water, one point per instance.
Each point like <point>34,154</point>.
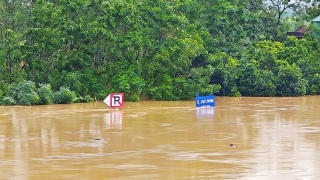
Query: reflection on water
<point>276,138</point>
<point>113,119</point>
<point>205,113</point>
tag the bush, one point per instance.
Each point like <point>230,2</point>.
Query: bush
<point>45,93</point>
<point>79,99</point>
<point>84,99</point>
<point>234,92</point>
<point>1,96</point>
<point>64,96</point>
<point>8,101</point>
<point>3,90</point>
<point>12,92</point>
<point>28,99</point>
<point>314,85</point>
<point>134,98</point>
<point>23,93</point>
<point>87,99</point>
<point>102,94</point>
<point>26,87</point>
<point>290,81</point>
<point>265,83</point>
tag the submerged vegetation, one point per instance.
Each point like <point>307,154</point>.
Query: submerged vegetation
<point>65,51</point>
<point>25,93</point>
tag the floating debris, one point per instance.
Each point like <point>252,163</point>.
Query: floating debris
<point>99,139</point>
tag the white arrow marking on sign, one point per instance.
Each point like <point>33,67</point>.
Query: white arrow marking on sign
<point>107,100</point>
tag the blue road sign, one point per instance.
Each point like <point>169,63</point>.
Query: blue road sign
<point>205,101</point>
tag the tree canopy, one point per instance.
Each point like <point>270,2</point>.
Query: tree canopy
<point>163,50</point>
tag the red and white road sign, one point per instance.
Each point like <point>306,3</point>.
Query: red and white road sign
<point>114,100</point>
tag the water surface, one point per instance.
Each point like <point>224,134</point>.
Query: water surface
<point>276,138</point>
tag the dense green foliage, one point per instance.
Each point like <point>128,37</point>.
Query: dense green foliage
<point>64,96</point>
<point>163,50</point>
<point>26,93</point>
<point>45,94</point>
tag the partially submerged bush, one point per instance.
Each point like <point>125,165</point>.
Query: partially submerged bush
<point>3,90</point>
<point>84,99</point>
<point>12,92</point>
<point>46,94</point>
<point>28,99</point>
<point>1,96</point>
<point>64,96</point>
<point>134,98</point>
<point>23,93</point>
<point>87,99</point>
<point>8,101</point>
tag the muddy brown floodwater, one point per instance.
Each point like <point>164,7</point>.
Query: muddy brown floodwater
<point>275,138</point>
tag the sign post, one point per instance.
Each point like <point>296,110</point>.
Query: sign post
<point>205,101</point>
<point>114,100</point>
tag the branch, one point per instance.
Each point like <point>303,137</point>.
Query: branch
<point>274,3</point>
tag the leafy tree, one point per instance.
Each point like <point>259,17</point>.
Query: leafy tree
<point>232,25</point>
<point>45,94</point>
<point>8,101</point>
<point>276,15</point>
<point>13,21</point>
<point>1,96</point>
<point>164,50</point>
<point>290,81</point>
<point>257,82</point>
<point>312,12</point>
<point>23,93</point>
<point>225,74</point>
<point>130,83</point>
<point>314,85</point>
<point>247,80</point>
<point>64,96</point>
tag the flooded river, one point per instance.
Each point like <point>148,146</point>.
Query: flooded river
<point>275,138</point>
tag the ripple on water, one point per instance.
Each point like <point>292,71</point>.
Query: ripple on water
<point>220,136</point>
<point>95,143</point>
<point>76,156</point>
<point>139,176</point>
<point>185,156</point>
<point>129,167</point>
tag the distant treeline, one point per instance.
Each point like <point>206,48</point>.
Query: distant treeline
<point>156,49</point>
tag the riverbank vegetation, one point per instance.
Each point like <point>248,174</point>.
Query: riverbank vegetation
<point>64,51</point>
<point>26,93</point>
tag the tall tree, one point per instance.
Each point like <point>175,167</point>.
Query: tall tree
<point>13,19</point>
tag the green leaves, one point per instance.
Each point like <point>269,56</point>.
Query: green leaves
<point>256,82</point>
<point>45,94</point>
<point>226,71</point>
<point>290,81</point>
<point>129,82</point>
<point>277,69</point>
<point>23,94</point>
<point>64,96</point>
<point>166,50</point>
